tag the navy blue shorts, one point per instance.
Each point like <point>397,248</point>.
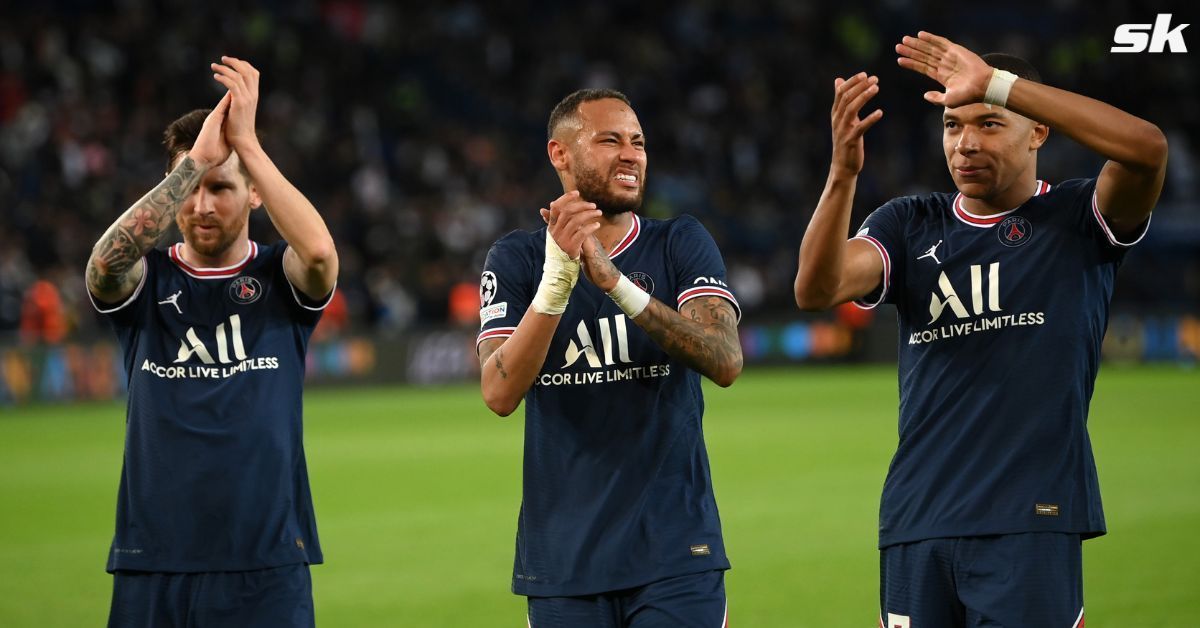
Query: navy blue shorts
<point>277,597</point>
<point>691,601</point>
<point>1011,580</point>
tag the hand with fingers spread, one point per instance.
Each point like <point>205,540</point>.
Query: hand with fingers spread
<point>963,73</point>
<point>241,79</point>
<point>211,148</point>
<point>849,97</point>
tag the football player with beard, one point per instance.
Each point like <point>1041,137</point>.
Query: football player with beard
<point>215,523</point>
<point>618,524</point>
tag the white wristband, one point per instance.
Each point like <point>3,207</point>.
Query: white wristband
<point>559,274</point>
<point>630,298</point>
<point>998,87</point>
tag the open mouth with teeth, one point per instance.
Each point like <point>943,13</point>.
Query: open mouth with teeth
<point>627,180</point>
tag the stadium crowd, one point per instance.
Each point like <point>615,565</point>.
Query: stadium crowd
<point>418,130</point>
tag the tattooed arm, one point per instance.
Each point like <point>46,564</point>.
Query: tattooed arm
<point>115,267</point>
<point>703,335</point>
<point>508,366</point>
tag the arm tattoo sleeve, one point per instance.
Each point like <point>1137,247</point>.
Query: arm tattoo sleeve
<point>137,231</point>
<point>704,335</point>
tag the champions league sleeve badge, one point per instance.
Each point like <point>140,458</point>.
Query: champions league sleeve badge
<point>245,290</point>
<point>1014,231</point>
<point>487,288</point>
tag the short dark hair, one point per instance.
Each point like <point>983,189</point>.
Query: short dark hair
<point>569,106</point>
<point>1012,63</point>
<point>180,136</point>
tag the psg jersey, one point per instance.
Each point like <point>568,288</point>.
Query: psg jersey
<point>1001,319</point>
<point>214,476</point>
<point>616,491</point>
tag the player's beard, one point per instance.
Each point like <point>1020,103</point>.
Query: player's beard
<point>213,246</point>
<point>594,187</point>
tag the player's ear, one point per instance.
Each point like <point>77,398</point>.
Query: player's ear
<point>557,151</point>
<point>255,199</point>
<point>1038,136</point>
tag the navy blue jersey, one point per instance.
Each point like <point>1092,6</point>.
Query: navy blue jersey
<point>1001,320</point>
<point>616,491</point>
<point>214,476</point>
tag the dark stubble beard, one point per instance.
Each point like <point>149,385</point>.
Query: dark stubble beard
<point>593,187</point>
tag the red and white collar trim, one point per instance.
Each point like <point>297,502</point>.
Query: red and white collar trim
<point>975,220</point>
<point>176,254</point>
<point>630,236</point>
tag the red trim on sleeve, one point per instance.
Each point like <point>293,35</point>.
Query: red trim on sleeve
<point>497,332</point>
<point>887,272</point>
<point>708,291</point>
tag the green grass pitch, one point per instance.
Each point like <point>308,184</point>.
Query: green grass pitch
<point>417,492</point>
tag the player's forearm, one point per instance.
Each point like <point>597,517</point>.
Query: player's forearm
<point>1136,144</point>
<point>709,348</point>
<point>822,250</point>
<point>507,373</point>
<point>138,230</point>
<point>292,214</point>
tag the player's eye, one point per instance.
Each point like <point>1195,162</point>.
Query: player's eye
<point>950,124</point>
<point>991,124</point>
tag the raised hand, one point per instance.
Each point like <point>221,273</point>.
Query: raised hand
<point>241,79</point>
<point>849,97</point>
<point>210,148</point>
<point>570,221</point>
<point>961,72</point>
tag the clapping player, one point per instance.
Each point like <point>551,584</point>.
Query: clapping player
<point>618,523</point>
<point>1002,291</point>
<point>215,523</point>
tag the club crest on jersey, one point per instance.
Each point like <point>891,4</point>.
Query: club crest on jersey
<point>642,280</point>
<point>1014,231</point>
<point>487,288</point>
<point>245,290</point>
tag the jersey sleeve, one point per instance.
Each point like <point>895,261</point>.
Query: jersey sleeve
<point>506,286</point>
<point>884,231</point>
<point>1096,224</point>
<point>303,307</point>
<point>699,269</point>
<point>125,312</point>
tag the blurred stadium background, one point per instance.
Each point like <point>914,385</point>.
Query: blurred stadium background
<point>419,132</point>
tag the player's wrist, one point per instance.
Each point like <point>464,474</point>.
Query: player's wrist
<point>244,143</point>
<point>998,87</point>
<point>631,299</point>
<point>839,173</point>
<point>559,274</point>
<point>200,161</point>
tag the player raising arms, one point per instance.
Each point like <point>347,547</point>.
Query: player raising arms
<point>1002,292</point>
<point>618,523</point>
<point>215,523</point>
